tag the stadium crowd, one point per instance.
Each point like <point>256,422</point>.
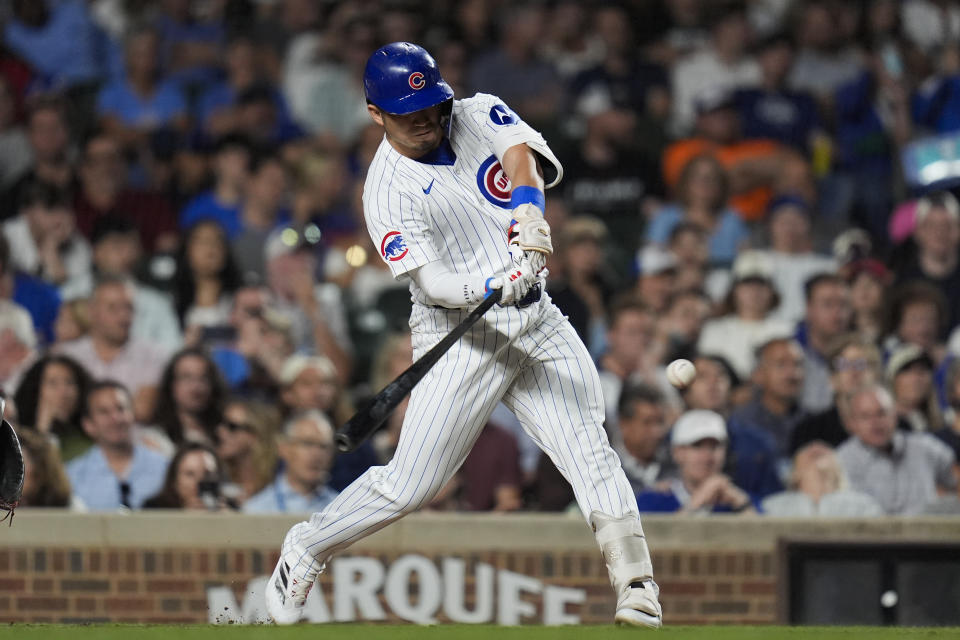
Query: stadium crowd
<point>190,301</point>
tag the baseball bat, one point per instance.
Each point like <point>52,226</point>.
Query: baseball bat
<point>369,418</point>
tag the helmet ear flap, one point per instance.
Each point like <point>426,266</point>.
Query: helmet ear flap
<point>446,116</point>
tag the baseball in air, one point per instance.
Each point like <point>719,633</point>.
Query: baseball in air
<point>680,373</point>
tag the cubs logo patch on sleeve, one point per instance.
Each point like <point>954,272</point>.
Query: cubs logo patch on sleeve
<point>494,183</point>
<point>392,247</point>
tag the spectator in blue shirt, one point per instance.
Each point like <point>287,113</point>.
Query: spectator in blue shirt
<point>701,198</point>
<point>306,448</point>
<point>772,110</point>
<point>698,446</point>
<point>218,111</point>
<point>141,103</point>
<point>58,39</point>
<point>116,472</point>
<point>222,203</point>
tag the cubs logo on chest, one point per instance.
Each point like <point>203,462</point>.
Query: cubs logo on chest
<point>494,183</point>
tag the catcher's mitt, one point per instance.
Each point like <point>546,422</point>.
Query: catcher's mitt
<point>11,468</point>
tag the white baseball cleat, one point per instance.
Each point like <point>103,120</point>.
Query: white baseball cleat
<point>286,595</point>
<point>638,606</point>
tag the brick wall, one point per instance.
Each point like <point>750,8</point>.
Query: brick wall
<point>153,567</point>
<point>67,584</point>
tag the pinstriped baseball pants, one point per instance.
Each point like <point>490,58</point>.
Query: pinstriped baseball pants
<point>533,361</point>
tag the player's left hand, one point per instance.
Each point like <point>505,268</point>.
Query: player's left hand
<point>515,283</point>
<point>529,231</point>
<point>537,260</point>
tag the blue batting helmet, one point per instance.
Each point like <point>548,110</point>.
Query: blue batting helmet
<point>402,78</point>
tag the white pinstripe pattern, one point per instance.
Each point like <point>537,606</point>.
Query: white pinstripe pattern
<point>531,358</point>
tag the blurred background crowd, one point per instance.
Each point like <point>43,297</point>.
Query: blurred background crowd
<point>190,302</point>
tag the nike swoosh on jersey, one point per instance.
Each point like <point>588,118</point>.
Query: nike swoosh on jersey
<point>429,187</point>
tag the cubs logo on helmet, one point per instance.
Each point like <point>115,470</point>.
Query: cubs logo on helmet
<point>392,247</point>
<point>494,183</point>
<point>416,80</point>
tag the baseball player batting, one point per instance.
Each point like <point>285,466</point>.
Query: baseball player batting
<point>454,202</point>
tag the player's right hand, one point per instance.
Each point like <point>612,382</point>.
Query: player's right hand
<point>515,283</point>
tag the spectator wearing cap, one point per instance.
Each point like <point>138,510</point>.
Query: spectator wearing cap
<point>700,197</point>
<point>582,287</point>
<point>311,383</point>
<point>936,258</point>
<point>223,203</point>
<point>868,280</point>
<point>103,192</point>
<point>819,487</point>
<point>778,381</point>
<point>109,350</point>
<point>141,103</point>
<point>792,258</point>
<point>773,110</point>
<point>306,449</point>
<point>903,471</point>
<point>827,317</point>
<point>698,446</point>
<point>43,239</point>
<point>116,253</point>
<point>746,321</point>
<point>724,64</point>
<point>117,471</point>
<point>657,276</point>
<point>909,374</point>
<point>751,456</point>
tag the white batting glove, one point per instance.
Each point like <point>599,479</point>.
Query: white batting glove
<point>538,260</point>
<point>529,231</point>
<point>515,284</point>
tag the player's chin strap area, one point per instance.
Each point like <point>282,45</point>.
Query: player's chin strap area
<point>624,549</point>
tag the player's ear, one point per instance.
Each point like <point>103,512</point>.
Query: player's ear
<point>375,113</point>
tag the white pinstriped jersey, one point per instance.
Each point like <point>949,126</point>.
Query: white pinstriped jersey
<point>459,214</point>
<point>530,359</point>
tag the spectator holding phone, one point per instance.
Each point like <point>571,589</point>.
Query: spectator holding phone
<point>194,481</point>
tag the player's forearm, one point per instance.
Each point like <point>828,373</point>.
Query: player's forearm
<point>447,288</point>
<point>521,166</point>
